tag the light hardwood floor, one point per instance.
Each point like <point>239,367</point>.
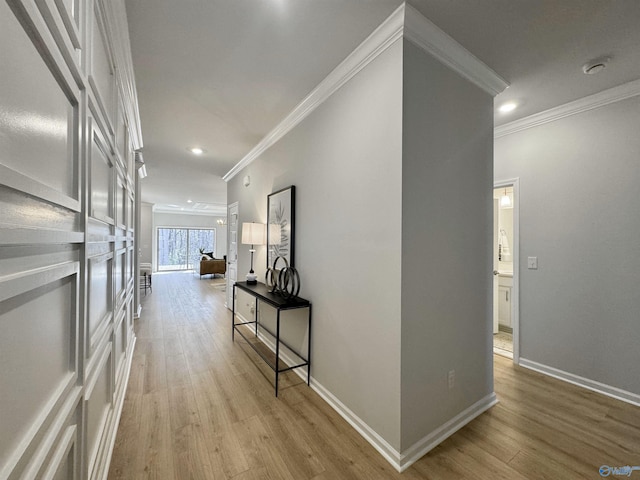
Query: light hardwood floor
<point>201,407</point>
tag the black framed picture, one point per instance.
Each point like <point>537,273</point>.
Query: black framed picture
<point>280,225</point>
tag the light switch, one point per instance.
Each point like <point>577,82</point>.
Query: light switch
<point>532,263</point>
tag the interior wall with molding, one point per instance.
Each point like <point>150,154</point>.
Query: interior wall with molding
<point>579,200</point>
<point>345,161</point>
<point>68,129</point>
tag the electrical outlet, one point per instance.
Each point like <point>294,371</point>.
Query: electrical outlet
<point>451,377</point>
<point>532,263</point>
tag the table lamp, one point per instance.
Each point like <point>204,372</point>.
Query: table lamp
<point>253,234</point>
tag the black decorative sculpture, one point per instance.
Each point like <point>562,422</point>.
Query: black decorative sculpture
<point>287,282</point>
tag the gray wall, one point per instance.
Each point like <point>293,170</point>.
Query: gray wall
<point>393,240</point>
<point>145,238</point>
<point>579,206</point>
<point>447,178</point>
<point>345,160</point>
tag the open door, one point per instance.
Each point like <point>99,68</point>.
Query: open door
<point>506,261</point>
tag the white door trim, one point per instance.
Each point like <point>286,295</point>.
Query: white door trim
<point>231,261</point>
<point>515,291</point>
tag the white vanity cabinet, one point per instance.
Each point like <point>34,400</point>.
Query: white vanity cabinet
<point>505,286</point>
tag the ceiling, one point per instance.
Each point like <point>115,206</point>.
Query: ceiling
<point>221,74</point>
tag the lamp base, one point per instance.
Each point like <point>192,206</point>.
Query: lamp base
<point>252,278</point>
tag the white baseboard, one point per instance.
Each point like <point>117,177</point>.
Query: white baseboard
<point>598,387</point>
<point>399,461</point>
<point>389,453</point>
<point>112,429</point>
<point>370,435</point>
<point>421,447</point>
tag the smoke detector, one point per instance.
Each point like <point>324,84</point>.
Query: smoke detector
<point>595,66</point>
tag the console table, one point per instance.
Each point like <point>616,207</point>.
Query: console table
<point>262,295</point>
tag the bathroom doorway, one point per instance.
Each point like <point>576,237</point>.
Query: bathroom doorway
<point>506,269</point>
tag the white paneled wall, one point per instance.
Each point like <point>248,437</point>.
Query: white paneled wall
<point>68,128</point>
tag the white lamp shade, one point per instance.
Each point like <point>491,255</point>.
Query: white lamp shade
<point>505,201</point>
<point>275,234</point>
<point>253,233</point>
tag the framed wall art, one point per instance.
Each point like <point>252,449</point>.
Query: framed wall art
<point>280,225</point>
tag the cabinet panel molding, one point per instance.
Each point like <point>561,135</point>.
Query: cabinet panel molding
<point>40,120</point>
<point>67,207</point>
<point>102,71</point>
<point>22,282</point>
<point>58,443</point>
<point>27,220</point>
<point>122,200</point>
<point>101,204</point>
<point>18,181</point>
<point>59,19</point>
<point>120,276</point>
<point>64,464</point>
<point>99,301</point>
<point>98,402</point>
<point>43,309</point>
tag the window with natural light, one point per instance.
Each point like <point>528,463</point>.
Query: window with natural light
<point>179,248</point>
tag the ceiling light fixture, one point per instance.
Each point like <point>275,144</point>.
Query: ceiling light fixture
<point>505,200</point>
<point>507,107</point>
<point>196,150</point>
<point>189,201</point>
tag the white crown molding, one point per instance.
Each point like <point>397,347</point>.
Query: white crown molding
<point>427,36</point>
<point>404,21</point>
<point>591,102</point>
<point>118,30</point>
<point>376,43</point>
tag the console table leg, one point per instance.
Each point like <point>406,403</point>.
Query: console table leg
<point>233,312</point>
<point>309,350</point>
<point>277,348</point>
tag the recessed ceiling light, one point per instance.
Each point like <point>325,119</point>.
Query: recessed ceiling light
<point>196,150</point>
<point>189,201</point>
<point>507,107</point>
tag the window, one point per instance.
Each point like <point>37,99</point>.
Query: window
<point>179,248</point>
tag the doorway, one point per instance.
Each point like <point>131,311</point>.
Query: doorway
<point>506,269</point>
<point>232,250</point>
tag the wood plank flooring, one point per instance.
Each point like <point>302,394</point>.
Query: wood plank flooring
<point>201,407</point>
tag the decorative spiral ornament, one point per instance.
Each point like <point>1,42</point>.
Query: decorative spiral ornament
<point>287,282</point>
<point>270,279</point>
